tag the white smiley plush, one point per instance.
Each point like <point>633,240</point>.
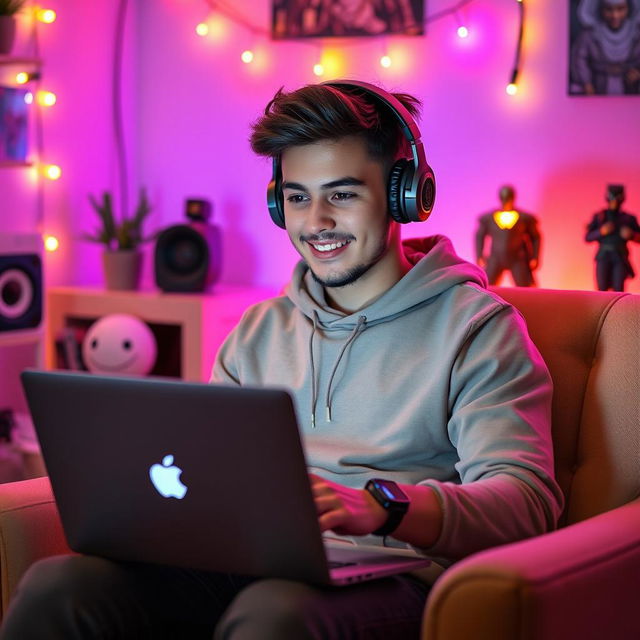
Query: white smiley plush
<point>119,344</point>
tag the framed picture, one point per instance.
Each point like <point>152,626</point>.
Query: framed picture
<point>604,51</point>
<point>13,125</point>
<point>346,18</point>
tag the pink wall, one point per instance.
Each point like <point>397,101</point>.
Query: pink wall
<point>193,99</point>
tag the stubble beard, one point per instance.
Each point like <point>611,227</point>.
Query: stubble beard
<point>350,276</point>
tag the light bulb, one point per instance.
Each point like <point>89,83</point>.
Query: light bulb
<point>52,171</point>
<point>47,98</point>
<point>247,56</point>
<point>463,32</point>
<point>202,29</point>
<point>385,62</point>
<point>28,97</point>
<point>51,243</point>
<point>23,77</point>
<point>318,69</point>
<point>46,15</point>
<point>512,89</point>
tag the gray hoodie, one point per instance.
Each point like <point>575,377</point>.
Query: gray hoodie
<point>434,383</point>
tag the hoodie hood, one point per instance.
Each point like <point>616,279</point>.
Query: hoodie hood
<point>436,268</point>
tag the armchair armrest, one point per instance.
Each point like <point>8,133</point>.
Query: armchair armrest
<point>580,582</point>
<point>30,529</point>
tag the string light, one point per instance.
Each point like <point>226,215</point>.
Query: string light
<point>462,30</point>
<point>46,98</point>
<point>46,15</point>
<point>23,77</point>
<point>247,56</point>
<point>52,171</point>
<point>51,243</point>
<point>231,11</point>
<point>28,97</point>
<point>512,87</point>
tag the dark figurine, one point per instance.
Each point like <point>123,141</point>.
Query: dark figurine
<point>514,242</point>
<point>612,228</point>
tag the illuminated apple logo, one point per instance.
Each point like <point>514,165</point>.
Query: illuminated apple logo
<point>166,479</point>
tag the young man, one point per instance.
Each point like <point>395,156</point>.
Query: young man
<point>402,366</point>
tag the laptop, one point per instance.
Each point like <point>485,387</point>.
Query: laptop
<point>202,476</point>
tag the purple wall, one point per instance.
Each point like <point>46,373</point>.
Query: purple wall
<point>190,101</point>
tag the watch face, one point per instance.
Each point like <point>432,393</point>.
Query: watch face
<point>387,492</point>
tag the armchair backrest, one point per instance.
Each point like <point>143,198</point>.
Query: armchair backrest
<point>591,344</point>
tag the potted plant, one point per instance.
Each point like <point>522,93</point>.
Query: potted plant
<point>8,10</point>
<point>122,258</point>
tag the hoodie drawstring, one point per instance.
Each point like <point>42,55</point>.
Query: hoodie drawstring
<point>314,384</point>
<point>314,390</point>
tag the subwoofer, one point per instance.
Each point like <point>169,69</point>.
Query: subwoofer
<point>187,257</point>
<point>21,283</point>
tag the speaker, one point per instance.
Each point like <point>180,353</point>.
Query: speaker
<point>21,283</point>
<point>188,257</point>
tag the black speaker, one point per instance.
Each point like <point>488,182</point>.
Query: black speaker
<point>188,256</point>
<point>21,286</point>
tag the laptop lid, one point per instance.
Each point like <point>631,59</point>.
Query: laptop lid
<point>103,437</point>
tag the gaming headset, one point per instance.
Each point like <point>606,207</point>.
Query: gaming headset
<point>411,189</point>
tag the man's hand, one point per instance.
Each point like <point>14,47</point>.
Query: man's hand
<point>356,512</point>
<point>346,511</point>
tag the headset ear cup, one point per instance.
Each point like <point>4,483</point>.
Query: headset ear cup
<point>274,202</point>
<point>427,194</point>
<point>394,191</point>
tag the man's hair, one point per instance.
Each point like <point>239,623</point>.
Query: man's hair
<point>319,112</point>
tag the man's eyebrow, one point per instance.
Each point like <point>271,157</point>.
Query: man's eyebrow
<point>347,181</point>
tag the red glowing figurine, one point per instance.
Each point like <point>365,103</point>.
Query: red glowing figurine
<point>514,242</point>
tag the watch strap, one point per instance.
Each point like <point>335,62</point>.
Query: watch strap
<point>393,521</point>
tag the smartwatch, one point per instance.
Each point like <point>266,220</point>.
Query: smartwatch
<point>393,499</point>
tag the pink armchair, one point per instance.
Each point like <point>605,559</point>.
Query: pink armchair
<point>580,582</point>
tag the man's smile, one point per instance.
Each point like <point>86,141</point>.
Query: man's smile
<point>328,249</point>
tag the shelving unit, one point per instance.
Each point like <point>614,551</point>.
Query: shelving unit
<point>189,328</point>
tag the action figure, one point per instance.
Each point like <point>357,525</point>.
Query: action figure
<point>515,241</point>
<point>612,229</point>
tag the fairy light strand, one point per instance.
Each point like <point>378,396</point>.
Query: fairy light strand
<point>228,10</point>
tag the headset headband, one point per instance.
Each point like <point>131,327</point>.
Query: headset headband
<point>405,119</point>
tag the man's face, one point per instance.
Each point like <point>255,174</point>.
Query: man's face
<point>614,14</point>
<point>336,210</point>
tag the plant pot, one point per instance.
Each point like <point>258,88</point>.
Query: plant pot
<point>122,269</point>
<point>7,34</point>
